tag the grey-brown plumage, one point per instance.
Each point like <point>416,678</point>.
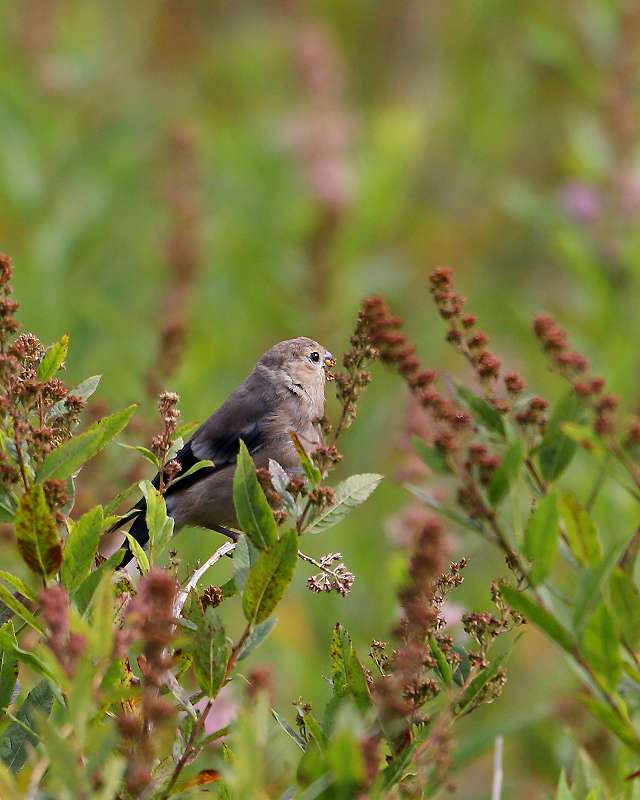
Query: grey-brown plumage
<point>283,393</point>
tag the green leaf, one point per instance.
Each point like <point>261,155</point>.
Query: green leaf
<point>87,387</point>
<point>585,437</point>
<point>19,609</point>
<point>139,554</point>
<point>81,547</point>
<point>503,478</point>
<point>111,778</point>
<point>70,456</point>
<point>346,761</point>
<point>204,464</point>
<point>444,668</point>
<point>588,782</point>
<point>484,413</point>
<point>431,456</point>
<point>85,591</point>
<point>8,785</point>
<point>539,617</point>
<point>159,525</point>
<point>245,556</point>
<point>291,732</point>
<point>185,429</point>
<point>53,359</point>
<point>347,673</point>
<point>256,637</point>
<point>557,449</point>
<point>581,533</point>
<point>9,643</point>
<point>472,693</point>
<point>625,602</point>
<point>8,675</point>
<point>269,577</point>
<point>36,533</point>
<point>144,452</point>
<point>308,467</point>
<point>252,509</point>
<point>629,556</point>
<point>229,589</point>
<point>280,481</point>
<point>350,493</point>
<point>65,767</point>
<point>210,652</point>
<point>541,537</point>
<point>21,732</point>
<point>113,505</point>
<point>590,584</point>
<point>18,584</point>
<point>101,614</point>
<point>601,647</point>
<point>82,391</point>
<point>618,724</point>
<point>449,513</point>
<point>563,791</point>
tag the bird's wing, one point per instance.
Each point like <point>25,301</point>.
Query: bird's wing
<point>221,447</point>
<point>244,415</point>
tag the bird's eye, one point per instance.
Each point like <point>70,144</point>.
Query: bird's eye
<point>315,357</point>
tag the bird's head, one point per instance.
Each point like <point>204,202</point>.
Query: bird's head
<point>306,362</point>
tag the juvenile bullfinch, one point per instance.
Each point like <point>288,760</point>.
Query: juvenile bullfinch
<point>283,393</point>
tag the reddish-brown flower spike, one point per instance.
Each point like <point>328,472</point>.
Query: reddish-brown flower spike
<point>260,680</point>
<point>6,268</point>
<point>476,452</point>
<point>488,365</point>
<point>408,366</point>
<point>633,434</point>
<point>478,340</point>
<point>441,276</point>
<point>459,420</point>
<point>514,383</point>
<point>444,442</point>
<point>468,321</point>
<point>538,404</point>
<point>391,338</point>
<point>542,324</point>
<point>603,426</point>
<point>582,388</point>
<point>608,403</point>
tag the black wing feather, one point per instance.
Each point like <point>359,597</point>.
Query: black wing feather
<point>222,450</point>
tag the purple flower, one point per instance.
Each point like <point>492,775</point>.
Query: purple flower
<point>580,202</point>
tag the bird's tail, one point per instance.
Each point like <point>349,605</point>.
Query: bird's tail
<point>138,531</point>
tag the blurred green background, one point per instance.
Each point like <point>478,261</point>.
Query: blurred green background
<point>183,183</point>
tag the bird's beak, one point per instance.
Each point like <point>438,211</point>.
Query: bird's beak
<point>329,362</point>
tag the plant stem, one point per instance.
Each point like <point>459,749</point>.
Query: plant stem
<point>23,469</point>
<point>496,786</point>
<point>316,564</point>
<point>181,599</point>
<point>542,487</point>
<point>200,722</point>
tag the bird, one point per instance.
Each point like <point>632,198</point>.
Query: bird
<point>283,394</point>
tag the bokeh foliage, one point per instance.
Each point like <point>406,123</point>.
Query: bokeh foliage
<point>499,140</point>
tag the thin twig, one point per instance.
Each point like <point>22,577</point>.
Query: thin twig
<point>597,485</point>
<point>200,722</point>
<point>626,462</point>
<point>496,785</point>
<point>21,464</point>
<point>542,487</point>
<point>316,564</point>
<point>181,599</point>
